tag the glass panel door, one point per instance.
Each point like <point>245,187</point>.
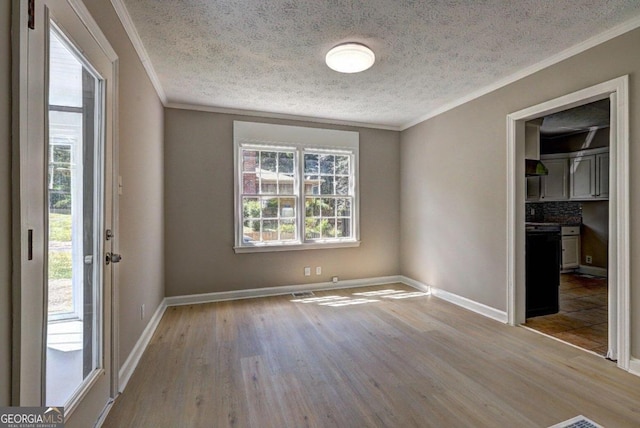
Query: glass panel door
<point>73,274</point>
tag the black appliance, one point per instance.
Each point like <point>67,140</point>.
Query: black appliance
<point>543,258</point>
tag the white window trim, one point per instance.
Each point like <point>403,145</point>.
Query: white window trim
<point>301,139</point>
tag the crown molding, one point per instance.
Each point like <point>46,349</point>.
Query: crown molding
<point>574,50</point>
<point>255,113</point>
<point>129,27</point>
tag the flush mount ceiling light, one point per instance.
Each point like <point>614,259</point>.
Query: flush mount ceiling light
<point>350,58</point>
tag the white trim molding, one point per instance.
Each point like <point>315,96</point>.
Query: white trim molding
<point>278,291</point>
<point>634,366</point>
<point>471,305</point>
<point>130,28</point>
<point>593,270</point>
<point>133,359</point>
<point>273,115</point>
<point>415,284</point>
<point>617,90</point>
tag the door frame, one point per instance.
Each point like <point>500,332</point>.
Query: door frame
<point>619,238</point>
<point>24,374</point>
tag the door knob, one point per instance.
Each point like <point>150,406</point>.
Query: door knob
<point>113,258</point>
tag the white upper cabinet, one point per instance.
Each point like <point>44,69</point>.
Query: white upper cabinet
<point>602,175</point>
<point>554,186</point>
<point>589,175</point>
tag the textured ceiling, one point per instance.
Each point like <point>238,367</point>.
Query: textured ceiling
<point>590,116</point>
<point>268,56</point>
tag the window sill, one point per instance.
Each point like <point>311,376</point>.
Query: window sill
<point>295,247</point>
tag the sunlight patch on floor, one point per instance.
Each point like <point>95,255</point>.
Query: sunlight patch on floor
<point>361,297</point>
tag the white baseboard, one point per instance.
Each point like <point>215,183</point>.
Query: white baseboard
<point>415,284</point>
<point>634,366</point>
<point>471,305</point>
<point>278,291</point>
<point>592,270</point>
<point>131,363</point>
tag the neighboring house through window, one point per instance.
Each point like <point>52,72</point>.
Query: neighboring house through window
<point>295,187</point>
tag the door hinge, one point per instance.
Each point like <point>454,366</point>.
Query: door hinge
<point>32,14</point>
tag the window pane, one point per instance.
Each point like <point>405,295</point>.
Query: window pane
<point>312,228</point>
<point>287,208</point>
<point>249,160</point>
<point>327,164</point>
<point>343,228</point>
<point>61,153</point>
<point>270,208</point>
<point>66,74</point>
<point>267,186</point>
<point>328,207</point>
<point>342,185</point>
<point>342,165</point>
<point>310,164</point>
<point>250,231</point>
<point>270,230</point>
<point>268,161</point>
<point>328,228</point>
<point>285,162</point>
<point>326,187</point>
<point>312,206</point>
<point>251,208</point>
<point>312,185</point>
<point>285,188</point>
<point>250,183</point>
<point>287,230</point>
<point>343,207</point>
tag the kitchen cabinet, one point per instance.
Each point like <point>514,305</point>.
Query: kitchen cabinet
<point>602,175</point>
<point>533,189</point>
<point>570,248</point>
<point>553,187</point>
<point>589,175</point>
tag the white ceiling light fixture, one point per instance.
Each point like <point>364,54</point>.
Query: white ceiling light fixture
<point>350,58</point>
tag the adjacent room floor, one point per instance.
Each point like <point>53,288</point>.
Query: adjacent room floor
<point>384,356</point>
<point>582,319</point>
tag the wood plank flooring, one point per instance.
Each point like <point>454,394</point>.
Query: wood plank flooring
<point>353,358</point>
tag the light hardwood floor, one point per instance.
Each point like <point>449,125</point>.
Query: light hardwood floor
<point>366,361</point>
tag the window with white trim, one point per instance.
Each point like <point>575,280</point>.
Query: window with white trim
<point>295,187</point>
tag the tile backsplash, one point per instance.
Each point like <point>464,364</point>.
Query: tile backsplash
<point>565,212</point>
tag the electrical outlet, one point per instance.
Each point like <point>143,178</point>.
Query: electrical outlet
<point>142,311</point>
<point>589,259</point>
<point>532,211</point>
<point>318,270</point>
<point>334,279</point>
<point>307,271</point>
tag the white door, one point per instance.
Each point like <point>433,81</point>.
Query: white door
<point>66,206</point>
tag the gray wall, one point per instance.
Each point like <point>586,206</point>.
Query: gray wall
<point>5,203</point>
<point>453,179</point>
<point>199,212</point>
<point>594,237</point>
<point>141,128</point>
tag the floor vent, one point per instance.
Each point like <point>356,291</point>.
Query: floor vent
<point>301,294</point>
<point>577,422</point>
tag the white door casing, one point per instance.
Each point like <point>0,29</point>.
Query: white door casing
<point>619,238</point>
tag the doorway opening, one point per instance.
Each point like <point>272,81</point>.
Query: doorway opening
<point>613,168</point>
<point>567,297</point>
